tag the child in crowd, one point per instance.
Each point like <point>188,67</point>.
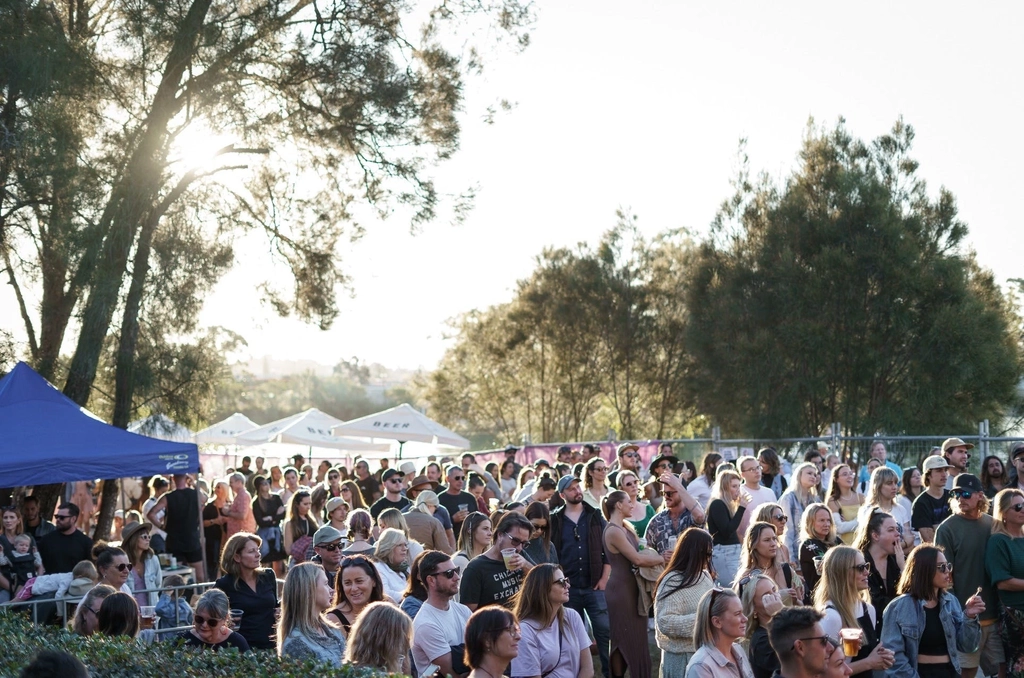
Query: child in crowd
<point>171,600</point>
<point>23,562</point>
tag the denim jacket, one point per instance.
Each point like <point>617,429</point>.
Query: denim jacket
<point>903,623</point>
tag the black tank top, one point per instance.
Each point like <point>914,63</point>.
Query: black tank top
<point>182,521</point>
<point>933,637</point>
<point>870,640</point>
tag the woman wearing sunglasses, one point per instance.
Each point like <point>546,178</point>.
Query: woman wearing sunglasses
<point>87,613</point>
<point>629,483</point>
<point>540,550</point>
<point>554,640</point>
<point>210,627</point>
<point>842,596</point>
<point>925,626</point>
<point>773,514</point>
<point>719,625</point>
<point>1003,555</point>
<point>146,572</point>
<point>114,568</point>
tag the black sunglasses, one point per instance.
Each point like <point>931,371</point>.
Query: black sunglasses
<point>825,640</point>
<point>525,543</point>
<point>863,567</point>
<point>448,574</point>
<point>121,567</point>
<point>330,547</point>
<point>212,622</point>
<point>962,494</point>
<point>1018,507</point>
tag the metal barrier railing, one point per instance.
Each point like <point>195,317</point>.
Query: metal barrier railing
<point>63,603</point>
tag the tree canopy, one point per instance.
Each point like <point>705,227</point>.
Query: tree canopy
<point>847,294</point>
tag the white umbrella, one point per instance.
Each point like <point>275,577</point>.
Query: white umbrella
<point>402,423</point>
<point>311,428</point>
<point>162,427</point>
<point>224,432</point>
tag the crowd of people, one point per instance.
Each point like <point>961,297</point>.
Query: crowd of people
<point>560,568</point>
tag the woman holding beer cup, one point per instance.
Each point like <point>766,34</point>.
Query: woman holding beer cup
<point>925,626</point>
<point>842,596</point>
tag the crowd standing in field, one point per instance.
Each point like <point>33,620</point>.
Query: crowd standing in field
<point>559,569</point>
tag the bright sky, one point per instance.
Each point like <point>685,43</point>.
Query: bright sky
<point>641,105</point>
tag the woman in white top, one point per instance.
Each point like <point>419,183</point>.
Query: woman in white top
<point>474,539</point>
<point>720,623</point>
<point>554,640</point>
<point>842,596</point>
<point>700,487</point>
<point>883,492</point>
<point>595,487</point>
<point>509,483</point>
<point>391,556</point>
<point>802,492</point>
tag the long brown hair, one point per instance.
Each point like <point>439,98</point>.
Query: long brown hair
<point>691,559</point>
<point>533,601</point>
<point>357,497</point>
<point>919,573</point>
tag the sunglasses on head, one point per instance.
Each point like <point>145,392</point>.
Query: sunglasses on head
<point>212,622</point>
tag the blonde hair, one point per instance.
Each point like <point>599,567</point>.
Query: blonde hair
<point>880,476</point>
<point>386,543</point>
<point>796,487</point>
<point>721,489</point>
<point>807,523</point>
<point>380,638</point>
<point>766,512</point>
<point>392,517</point>
<point>298,605</point>
<point>1002,503</point>
<point>747,598</point>
<point>712,604</point>
<point>838,585</point>
<point>85,569</point>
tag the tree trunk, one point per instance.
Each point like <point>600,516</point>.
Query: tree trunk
<point>108,504</point>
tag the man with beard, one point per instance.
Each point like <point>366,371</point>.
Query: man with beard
<point>577,533</point>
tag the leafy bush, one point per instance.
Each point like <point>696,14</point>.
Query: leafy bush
<point>122,658</point>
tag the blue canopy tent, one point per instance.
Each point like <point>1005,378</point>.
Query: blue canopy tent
<point>46,438</point>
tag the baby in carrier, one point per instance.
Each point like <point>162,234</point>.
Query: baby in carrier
<point>22,562</point>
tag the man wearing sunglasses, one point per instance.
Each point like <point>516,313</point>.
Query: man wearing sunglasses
<point>491,580</point>
<point>392,481</point>
<point>627,459</point>
<point>439,626</point>
<point>964,536</point>
<point>327,545</point>
<point>454,498</point>
<point>800,643</point>
<point>63,548</point>
<point>325,491</point>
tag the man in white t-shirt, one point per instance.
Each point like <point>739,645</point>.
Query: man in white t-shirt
<point>441,622</point>
<point>750,470</point>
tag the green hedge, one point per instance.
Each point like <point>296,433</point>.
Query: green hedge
<point>120,658</point>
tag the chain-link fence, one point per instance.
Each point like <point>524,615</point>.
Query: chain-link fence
<point>906,451</point>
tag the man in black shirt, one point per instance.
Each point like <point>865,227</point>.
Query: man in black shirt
<point>34,524</point>
<point>931,506</point>
<point>368,485</point>
<point>392,494</point>
<point>181,522</point>
<point>65,547</point>
<point>458,502</point>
